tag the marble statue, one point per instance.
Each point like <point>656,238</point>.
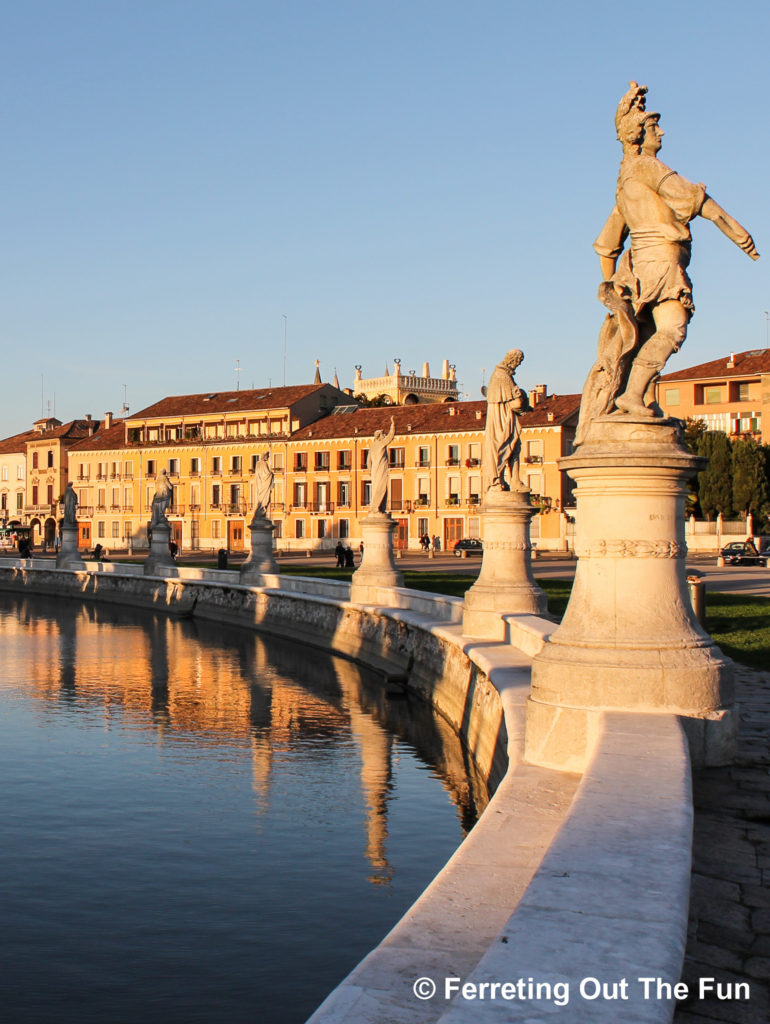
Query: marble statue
<point>70,506</point>
<point>161,500</point>
<point>263,486</point>
<point>645,286</point>
<point>377,464</point>
<point>501,449</point>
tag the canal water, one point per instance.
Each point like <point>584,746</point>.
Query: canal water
<point>200,824</point>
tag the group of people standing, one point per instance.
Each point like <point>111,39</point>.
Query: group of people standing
<point>345,556</point>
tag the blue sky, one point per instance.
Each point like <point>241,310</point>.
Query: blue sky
<point>411,178</point>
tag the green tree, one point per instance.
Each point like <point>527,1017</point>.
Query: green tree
<point>749,476</point>
<point>715,483</point>
<point>693,431</point>
<point>375,401</point>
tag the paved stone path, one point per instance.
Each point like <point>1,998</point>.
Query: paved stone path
<point>729,930</point>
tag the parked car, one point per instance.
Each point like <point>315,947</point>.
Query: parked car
<point>743,552</point>
<point>471,545</point>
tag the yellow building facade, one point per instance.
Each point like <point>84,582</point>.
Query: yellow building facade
<point>317,441</point>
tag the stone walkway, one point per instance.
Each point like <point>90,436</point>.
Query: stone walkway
<point>729,930</point>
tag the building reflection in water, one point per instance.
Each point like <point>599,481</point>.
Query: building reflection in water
<point>231,687</point>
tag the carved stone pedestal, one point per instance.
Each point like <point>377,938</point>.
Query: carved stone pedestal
<point>159,560</point>
<point>69,556</point>
<point>377,567</point>
<point>629,639</point>
<point>505,585</point>
<point>261,559</point>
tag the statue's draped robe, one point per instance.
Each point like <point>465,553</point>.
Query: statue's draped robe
<point>501,436</point>
<point>377,464</point>
<point>161,501</point>
<point>263,486</point>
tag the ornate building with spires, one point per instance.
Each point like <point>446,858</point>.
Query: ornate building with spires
<point>400,388</point>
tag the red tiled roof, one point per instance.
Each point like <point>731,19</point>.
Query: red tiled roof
<point>17,444</point>
<point>103,440</point>
<point>431,418</point>
<point>562,408</point>
<point>73,430</point>
<point>747,364</point>
<point>229,401</point>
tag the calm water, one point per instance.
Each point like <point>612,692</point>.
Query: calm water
<point>199,825</point>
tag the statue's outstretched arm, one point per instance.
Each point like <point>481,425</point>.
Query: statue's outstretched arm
<point>729,226</point>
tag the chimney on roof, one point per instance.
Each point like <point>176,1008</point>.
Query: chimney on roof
<point>538,393</point>
<point>317,379</point>
<point>731,361</point>
<point>107,420</point>
<point>445,370</point>
<point>88,417</point>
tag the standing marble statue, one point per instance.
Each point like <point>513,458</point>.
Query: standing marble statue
<point>645,285</point>
<point>377,464</point>
<point>263,486</point>
<point>70,505</point>
<point>501,449</point>
<point>161,500</point>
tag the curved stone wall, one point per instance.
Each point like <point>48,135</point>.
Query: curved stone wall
<point>563,878</point>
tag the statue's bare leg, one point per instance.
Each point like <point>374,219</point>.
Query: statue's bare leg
<point>671,320</point>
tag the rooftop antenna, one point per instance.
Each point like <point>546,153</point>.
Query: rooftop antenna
<point>124,410</point>
<point>237,375</point>
<point>285,335</point>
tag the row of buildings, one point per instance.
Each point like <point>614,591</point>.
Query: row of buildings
<point>317,437</point>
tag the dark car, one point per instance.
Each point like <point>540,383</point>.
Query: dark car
<point>471,545</point>
<point>741,552</point>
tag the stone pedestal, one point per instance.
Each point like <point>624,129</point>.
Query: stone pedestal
<point>377,567</point>
<point>629,639</point>
<point>159,560</point>
<point>505,585</point>
<point>261,559</point>
<point>69,556</point>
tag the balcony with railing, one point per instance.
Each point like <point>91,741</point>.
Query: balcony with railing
<point>451,462</point>
<point>320,506</point>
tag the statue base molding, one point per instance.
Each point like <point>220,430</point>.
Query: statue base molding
<point>377,567</point>
<point>69,556</point>
<point>159,560</point>
<point>629,639</point>
<point>261,559</point>
<point>505,585</point>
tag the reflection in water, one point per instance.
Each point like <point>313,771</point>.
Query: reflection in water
<point>133,818</point>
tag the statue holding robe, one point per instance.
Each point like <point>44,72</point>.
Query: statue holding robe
<point>377,464</point>
<point>161,500</point>
<point>501,449</point>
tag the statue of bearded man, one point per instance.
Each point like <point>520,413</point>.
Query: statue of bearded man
<point>501,450</point>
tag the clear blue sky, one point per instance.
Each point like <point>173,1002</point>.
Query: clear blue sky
<point>412,178</point>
